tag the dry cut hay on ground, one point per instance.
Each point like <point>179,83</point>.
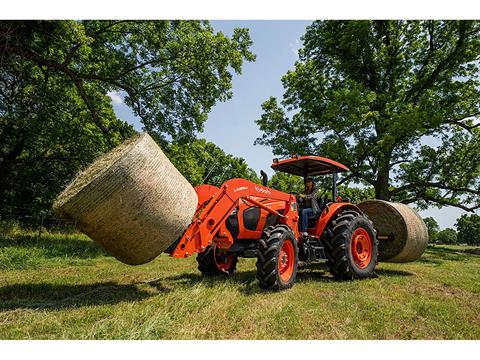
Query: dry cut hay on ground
<point>410,234</point>
<point>132,201</point>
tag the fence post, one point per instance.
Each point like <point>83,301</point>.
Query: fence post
<point>42,216</point>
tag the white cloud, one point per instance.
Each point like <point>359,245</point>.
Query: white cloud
<point>117,98</point>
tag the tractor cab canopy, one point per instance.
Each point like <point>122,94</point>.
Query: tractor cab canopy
<point>308,166</point>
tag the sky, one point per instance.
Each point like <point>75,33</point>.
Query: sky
<point>231,125</point>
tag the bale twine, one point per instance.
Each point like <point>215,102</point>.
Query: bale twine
<point>132,201</point>
<point>410,234</point>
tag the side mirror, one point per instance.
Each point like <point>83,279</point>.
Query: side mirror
<point>264,178</point>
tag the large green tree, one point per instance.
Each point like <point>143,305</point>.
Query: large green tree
<point>287,183</point>
<point>433,228</point>
<point>447,236</point>
<point>468,228</point>
<point>396,101</point>
<point>203,162</point>
<point>55,78</point>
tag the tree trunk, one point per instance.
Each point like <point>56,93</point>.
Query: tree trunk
<point>382,191</point>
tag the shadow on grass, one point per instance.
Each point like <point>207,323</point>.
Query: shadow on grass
<point>392,273</point>
<point>190,279</point>
<point>249,284</point>
<point>246,280</point>
<point>436,254</point>
<point>54,297</point>
<point>55,245</point>
<point>475,251</point>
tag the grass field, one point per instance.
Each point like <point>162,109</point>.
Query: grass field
<point>64,287</point>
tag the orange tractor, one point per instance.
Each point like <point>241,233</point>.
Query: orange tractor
<point>244,219</point>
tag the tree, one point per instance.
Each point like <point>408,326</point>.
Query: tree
<point>204,162</point>
<point>287,183</point>
<point>55,78</point>
<point>447,236</point>
<point>396,101</point>
<point>468,228</point>
<point>47,136</point>
<point>432,227</point>
<point>355,194</point>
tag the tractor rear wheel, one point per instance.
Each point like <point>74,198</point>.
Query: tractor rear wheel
<point>213,262</point>
<point>351,246</point>
<point>277,261</point>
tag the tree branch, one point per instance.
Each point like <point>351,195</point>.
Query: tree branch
<point>458,122</point>
<point>419,87</point>
<point>350,165</point>
<point>437,185</point>
<point>398,162</point>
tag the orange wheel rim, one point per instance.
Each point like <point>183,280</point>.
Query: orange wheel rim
<point>286,259</point>
<point>222,260</point>
<point>361,247</point>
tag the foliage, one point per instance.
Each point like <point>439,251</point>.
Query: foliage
<point>468,228</point>
<point>56,115</point>
<point>46,138</point>
<point>204,162</point>
<point>446,236</point>
<point>396,101</point>
<point>355,194</point>
<point>9,228</point>
<point>432,227</point>
<point>287,183</point>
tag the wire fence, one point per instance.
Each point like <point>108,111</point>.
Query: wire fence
<point>39,221</point>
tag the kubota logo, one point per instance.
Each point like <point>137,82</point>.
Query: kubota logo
<point>240,188</point>
<point>262,190</point>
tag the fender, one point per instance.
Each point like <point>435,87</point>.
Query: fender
<point>331,210</point>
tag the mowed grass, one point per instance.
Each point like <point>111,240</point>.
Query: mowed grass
<point>60,286</point>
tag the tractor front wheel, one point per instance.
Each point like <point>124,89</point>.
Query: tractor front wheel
<point>213,262</point>
<point>351,246</point>
<point>277,261</point>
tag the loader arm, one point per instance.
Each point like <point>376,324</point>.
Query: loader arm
<point>208,223</point>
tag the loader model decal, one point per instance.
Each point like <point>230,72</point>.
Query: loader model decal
<point>262,190</point>
<point>240,188</point>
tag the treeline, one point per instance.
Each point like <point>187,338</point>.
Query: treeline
<point>466,232</point>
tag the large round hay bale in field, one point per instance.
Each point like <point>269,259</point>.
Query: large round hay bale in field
<point>132,201</point>
<point>407,229</point>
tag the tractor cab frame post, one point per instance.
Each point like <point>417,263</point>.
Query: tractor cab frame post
<point>334,187</point>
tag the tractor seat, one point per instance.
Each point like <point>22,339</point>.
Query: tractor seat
<point>313,218</point>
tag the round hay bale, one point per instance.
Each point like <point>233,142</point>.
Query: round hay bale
<point>132,201</point>
<point>410,234</point>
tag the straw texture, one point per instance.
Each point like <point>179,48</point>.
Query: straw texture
<point>132,201</point>
<point>407,227</point>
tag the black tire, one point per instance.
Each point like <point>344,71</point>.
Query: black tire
<point>209,267</point>
<point>268,273</point>
<point>338,246</point>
